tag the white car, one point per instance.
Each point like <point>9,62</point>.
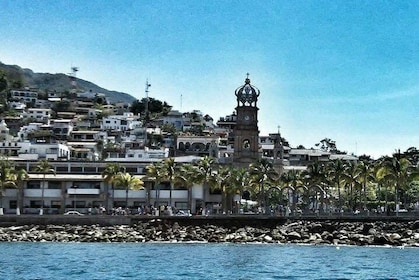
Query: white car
<point>73,212</point>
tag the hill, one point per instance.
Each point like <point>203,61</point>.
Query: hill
<point>59,82</point>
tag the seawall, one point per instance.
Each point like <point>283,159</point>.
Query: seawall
<point>222,220</point>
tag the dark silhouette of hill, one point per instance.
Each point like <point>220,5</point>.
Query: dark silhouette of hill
<point>59,82</point>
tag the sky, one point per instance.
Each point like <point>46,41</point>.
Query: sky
<point>345,70</point>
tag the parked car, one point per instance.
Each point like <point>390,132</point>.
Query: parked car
<point>73,212</point>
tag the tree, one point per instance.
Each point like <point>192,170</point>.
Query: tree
<point>154,106</point>
<point>366,175</point>
<point>186,176</point>
<point>263,173</point>
<point>128,182</point>
<point>351,179</point>
<point>316,179</point>
<point>5,172</point>
<point>155,172</point>
<point>293,180</point>
<point>397,170</point>
<point>169,174</point>
<point>336,170</point>
<point>204,173</point>
<point>240,181</point>
<point>43,167</point>
<point>109,174</point>
<point>3,81</point>
<point>222,180</point>
<point>18,177</point>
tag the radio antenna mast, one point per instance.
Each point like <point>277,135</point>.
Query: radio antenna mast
<point>147,86</point>
<point>73,77</point>
<point>146,113</point>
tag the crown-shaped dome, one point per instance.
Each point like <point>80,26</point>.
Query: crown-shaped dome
<point>247,94</point>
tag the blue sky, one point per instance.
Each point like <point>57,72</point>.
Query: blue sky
<point>346,70</point>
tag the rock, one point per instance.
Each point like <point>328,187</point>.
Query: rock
<point>293,235</point>
<point>267,238</point>
<point>367,227</point>
<point>415,225</point>
<point>315,228</point>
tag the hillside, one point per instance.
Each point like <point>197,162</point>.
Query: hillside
<point>58,82</point>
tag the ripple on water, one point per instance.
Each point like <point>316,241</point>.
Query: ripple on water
<point>202,261</point>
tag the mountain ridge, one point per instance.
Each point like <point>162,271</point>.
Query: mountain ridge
<point>59,82</point>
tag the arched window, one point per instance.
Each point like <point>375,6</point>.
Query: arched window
<point>246,144</point>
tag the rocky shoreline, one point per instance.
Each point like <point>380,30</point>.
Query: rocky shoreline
<point>377,233</point>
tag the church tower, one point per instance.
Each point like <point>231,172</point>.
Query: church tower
<point>246,132</point>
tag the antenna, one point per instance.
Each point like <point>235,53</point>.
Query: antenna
<point>147,86</point>
<point>181,100</point>
<point>146,114</point>
<point>73,77</point>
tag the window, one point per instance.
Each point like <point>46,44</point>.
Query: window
<point>55,204</point>
<point>89,169</point>
<point>54,185</point>
<point>246,144</point>
<point>181,205</point>
<point>35,203</point>
<point>139,203</point>
<point>13,204</point>
<point>162,186</point>
<point>97,204</point>
<point>34,185</point>
<point>79,203</point>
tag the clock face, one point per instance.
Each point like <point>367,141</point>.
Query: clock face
<point>246,117</point>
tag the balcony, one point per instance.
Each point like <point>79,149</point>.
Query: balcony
<point>74,191</point>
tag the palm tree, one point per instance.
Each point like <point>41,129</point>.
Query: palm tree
<point>263,173</point>
<point>315,177</point>
<point>293,180</point>
<point>109,173</point>
<point>5,171</point>
<point>397,172</point>
<point>240,180</point>
<point>366,175</point>
<point>17,178</point>
<point>169,171</point>
<point>43,167</point>
<point>186,176</point>
<point>204,173</point>
<point>128,182</point>
<point>222,180</point>
<point>155,172</point>
<point>351,179</point>
<point>336,170</point>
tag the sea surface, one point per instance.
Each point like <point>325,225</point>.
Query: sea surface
<point>204,261</point>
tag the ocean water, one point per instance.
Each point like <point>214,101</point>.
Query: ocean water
<point>204,261</point>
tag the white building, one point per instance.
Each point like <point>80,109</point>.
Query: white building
<point>143,155</point>
<point>48,151</point>
<point>124,122</point>
<point>27,95</point>
<point>38,114</point>
<point>62,128</point>
<point>174,118</point>
<point>25,130</point>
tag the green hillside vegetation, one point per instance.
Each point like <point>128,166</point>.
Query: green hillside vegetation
<point>18,77</point>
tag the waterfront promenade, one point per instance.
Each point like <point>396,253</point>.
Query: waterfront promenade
<point>222,220</point>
